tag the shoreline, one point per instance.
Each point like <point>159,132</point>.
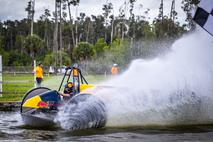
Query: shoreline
<point>10,106</point>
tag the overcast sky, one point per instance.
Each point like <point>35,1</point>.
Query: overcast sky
<point>15,9</point>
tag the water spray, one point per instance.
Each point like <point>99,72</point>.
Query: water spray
<point>174,89</point>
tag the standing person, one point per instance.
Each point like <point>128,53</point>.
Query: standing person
<point>39,74</point>
<point>76,79</point>
<point>114,69</point>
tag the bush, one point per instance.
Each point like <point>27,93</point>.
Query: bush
<point>119,53</point>
<point>50,59</point>
<point>83,51</point>
<point>17,59</point>
<point>33,45</point>
<point>100,46</point>
<point>5,56</point>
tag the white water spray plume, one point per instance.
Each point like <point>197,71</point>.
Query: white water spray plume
<point>174,89</point>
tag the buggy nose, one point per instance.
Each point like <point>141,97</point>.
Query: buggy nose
<point>32,102</point>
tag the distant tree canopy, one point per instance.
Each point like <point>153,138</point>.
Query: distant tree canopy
<point>104,35</point>
<point>167,28</point>
<point>188,6</point>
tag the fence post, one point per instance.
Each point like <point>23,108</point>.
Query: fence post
<point>1,88</point>
<point>34,66</point>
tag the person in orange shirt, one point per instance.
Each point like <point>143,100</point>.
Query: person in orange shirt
<point>114,69</point>
<point>39,74</point>
<point>76,81</point>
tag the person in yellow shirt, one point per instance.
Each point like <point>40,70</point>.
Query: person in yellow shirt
<point>39,74</point>
<point>114,69</point>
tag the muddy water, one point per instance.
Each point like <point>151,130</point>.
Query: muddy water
<point>12,129</point>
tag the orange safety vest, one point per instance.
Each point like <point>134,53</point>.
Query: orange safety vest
<point>114,70</point>
<point>39,72</point>
<point>75,72</point>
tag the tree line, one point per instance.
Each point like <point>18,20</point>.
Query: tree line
<point>59,39</point>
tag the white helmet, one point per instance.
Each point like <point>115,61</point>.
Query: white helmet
<point>75,65</point>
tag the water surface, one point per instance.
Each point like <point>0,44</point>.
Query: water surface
<point>12,129</point>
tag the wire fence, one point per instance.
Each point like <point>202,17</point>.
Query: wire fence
<point>91,68</point>
<point>21,69</point>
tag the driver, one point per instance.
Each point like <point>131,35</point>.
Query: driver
<point>68,91</point>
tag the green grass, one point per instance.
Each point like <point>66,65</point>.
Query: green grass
<point>19,77</point>
<point>94,79</point>
<point>11,98</point>
<point>15,86</point>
